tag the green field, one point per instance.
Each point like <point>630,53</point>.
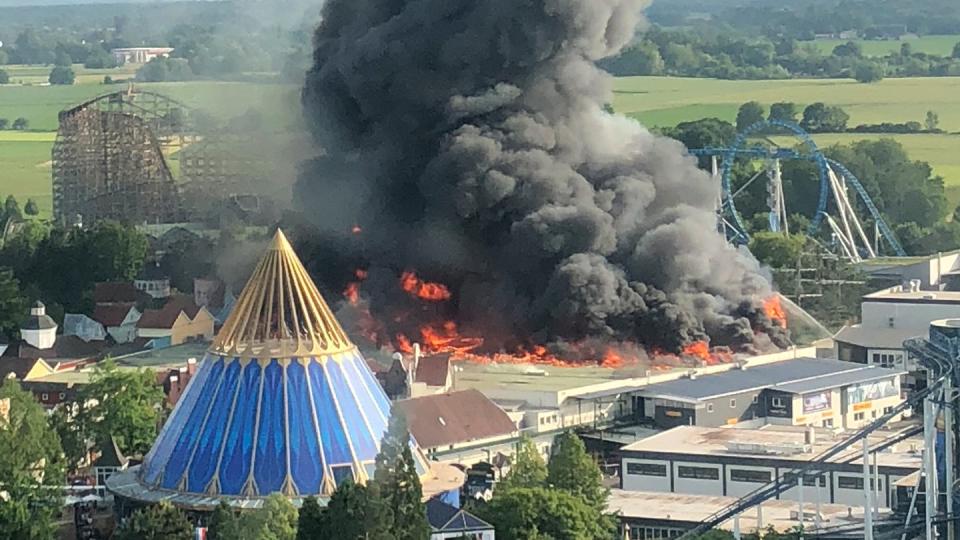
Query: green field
<point>666,101</point>
<point>38,75</point>
<point>935,45</point>
<point>25,167</point>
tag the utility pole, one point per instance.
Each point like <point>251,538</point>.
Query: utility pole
<point>867,489</point>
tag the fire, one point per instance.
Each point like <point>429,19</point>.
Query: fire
<point>698,349</point>
<point>774,311</point>
<point>356,229</point>
<point>352,292</point>
<point>433,292</point>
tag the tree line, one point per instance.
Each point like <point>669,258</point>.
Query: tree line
<point>822,118</point>
<point>723,53</point>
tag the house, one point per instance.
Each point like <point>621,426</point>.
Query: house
<point>417,375</point>
<point>139,55</point>
<point>465,427</point>
<point>118,292</point>
<point>448,523</point>
<point>177,322</point>
<point>83,327</point>
<point>119,320</point>
<point>24,369</point>
<point>40,340</point>
<point>153,281</point>
<point>805,391</point>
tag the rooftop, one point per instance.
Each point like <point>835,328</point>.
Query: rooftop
<point>703,441</point>
<point>157,360</point>
<point>898,295</point>
<point>880,338</point>
<point>455,417</point>
<point>795,376</point>
<point>697,508</point>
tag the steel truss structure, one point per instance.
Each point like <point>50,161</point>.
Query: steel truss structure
<point>835,184</point>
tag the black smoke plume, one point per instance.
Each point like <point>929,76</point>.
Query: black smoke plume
<point>469,141</point>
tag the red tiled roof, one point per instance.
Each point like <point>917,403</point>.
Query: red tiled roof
<point>167,316</point>
<point>433,370</point>
<point>455,417</point>
<point>113,292</point>
<point>111,315</point>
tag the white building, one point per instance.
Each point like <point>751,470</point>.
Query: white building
<point>888,318</point>
<point>39,330</point>
<point>732,462</point>
<point>139,55</point>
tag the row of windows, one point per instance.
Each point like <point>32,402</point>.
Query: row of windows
<point>46,397</point>
<point>653,533</point>
<point>741,475</point>
<point>733,404</point>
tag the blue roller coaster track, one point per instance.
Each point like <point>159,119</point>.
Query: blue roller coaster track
<point>807,150</point>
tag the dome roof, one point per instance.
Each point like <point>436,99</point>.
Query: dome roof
<point>283,401</point>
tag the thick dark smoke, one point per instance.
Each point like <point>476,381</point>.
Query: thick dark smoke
<point>468,139</point>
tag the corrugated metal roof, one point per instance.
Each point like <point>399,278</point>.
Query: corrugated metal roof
<point>777,375</point>
<point>867,374</point>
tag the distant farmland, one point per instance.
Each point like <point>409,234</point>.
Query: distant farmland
<point>934,45</point>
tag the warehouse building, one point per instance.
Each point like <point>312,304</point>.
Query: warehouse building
<point>801,392</point>
<point>733,462</point>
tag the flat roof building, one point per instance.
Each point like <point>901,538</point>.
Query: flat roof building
<point>733,462</point>
<point>805,391</point>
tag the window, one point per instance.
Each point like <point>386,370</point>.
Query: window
<point>809,480</point>
<point>698,473</point>
<point>756,397</point>
<point>828,422</point>
<point>858,416</point>
<point>778,402</point>
<point>44,397</point>
<point>647,469</point>
<point>851,482</point>
<point>887,410</point>
<point>709,407</point>
<point>744,475</point>
<point>62,396</point>
<point>733,404</point>
<point>886,359</point>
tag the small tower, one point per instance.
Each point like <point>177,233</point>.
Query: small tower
<point>39,330</point>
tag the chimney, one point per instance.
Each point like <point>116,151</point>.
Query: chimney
<point>914,285</point>
<point>810,436</point>
<point>191,365</point>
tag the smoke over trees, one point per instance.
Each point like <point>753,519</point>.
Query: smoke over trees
<point>468,140</point>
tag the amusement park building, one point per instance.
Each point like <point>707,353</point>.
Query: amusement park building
<point>282,402</point>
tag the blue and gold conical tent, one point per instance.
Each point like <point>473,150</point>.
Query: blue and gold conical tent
<point>283,402</point>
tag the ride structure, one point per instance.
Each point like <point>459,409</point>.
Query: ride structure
<point>836,206</point>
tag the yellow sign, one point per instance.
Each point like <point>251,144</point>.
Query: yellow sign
<point>800,419</point>
<point>827,414</point>
<point>674,414</point>
<point>4,411</point>
<point>864,406</point>
<point>731,421</point>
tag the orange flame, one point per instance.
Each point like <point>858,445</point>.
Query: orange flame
<point>698,349</point>
<point>356,229</point>
<point>774,311</point>
<point>433,292</point>
<point>352,292</point>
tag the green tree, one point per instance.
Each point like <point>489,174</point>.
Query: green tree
<point>906,50</point>
<point>116,251</point>
<point>784,112</point>
<point>777,250</point>
<point>62,75</point>
<point>956,50</point>
<point>346,516</point>
<point>224,523</point>
<point>62,58</point>
<point>541,513</point>
<point>4,123</point>
<point>125,404</point>
<point>158,522</point>
<point>868,72</point>
<point>4,58</point>
<point>31,468</point>
<point>573,470</point>
<point>528,468</point>
<point>397,493</point>
<point>4,77</point>
<point>275,520</point>
<point>11,208</point>
<point>31,208</point>
<point>850,49</point>
<point>311,520</point>
<point>749,114</point>
<point>703,133</point>
<point>932,121</point>
<point>21,124</point>
<point>821,118</point>
<point>13,305</point>
<point>73,438</point>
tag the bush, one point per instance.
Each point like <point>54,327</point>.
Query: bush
<point>868,72</point>
<point>21,124</point>
<point>4,123</point>
<point>4,77</point>
<point>62,75</point>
